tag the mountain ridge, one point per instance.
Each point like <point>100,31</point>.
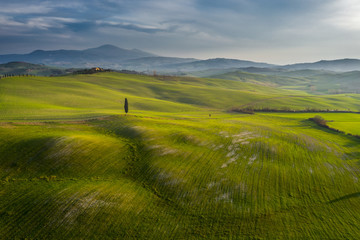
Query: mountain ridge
<point>110,56</point>
<point>103,55</point>
<point>342,65</point>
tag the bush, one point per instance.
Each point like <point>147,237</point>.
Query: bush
<point>247,110</point>
<point>319,120</point>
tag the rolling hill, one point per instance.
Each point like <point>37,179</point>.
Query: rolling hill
<point>74,166</point>
<point>312,81</point>
<point>58,97</point>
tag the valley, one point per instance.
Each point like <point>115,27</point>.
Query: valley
<point>179,165</point>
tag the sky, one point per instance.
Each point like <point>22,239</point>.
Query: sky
<point>273,31</point>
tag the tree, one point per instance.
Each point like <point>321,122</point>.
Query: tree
<point>126,106</point>
<point>319,120</point>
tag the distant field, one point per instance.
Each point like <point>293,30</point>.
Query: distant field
<point>311,81</point>
<point>347,122</point>
<point>84,96</point>
<point>73,166</point>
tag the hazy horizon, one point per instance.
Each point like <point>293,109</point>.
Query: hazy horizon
<point>277,32</point>
<point>215,57</point>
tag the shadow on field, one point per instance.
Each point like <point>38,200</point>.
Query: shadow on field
<point>352,195</point>
<point>353,141</point>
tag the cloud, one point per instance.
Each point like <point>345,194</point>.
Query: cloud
<point>6,21</point>
<point>133,27</point>
<point>344,14</point>
<point>194,28</point>
<point>10,25</point>
<point>19,7</point>
<point>46,23</point>
<point>24,9</point>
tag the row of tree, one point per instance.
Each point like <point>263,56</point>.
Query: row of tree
<point>252,110</point>
<point>16,75</point>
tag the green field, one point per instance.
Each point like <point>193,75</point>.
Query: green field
<point>82,96</point>
<point>311,81</point>
<point>346,122</point>
<point>73,166</point>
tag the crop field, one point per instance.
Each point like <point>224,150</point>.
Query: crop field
<point>85,96</point>
<point>346,122</point>
<point>311,81</point>
<point>74,166</point>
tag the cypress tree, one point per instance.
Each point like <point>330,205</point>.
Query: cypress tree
<point>126,106</point>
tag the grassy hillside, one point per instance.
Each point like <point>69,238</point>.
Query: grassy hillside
<point>311,81</point>
<point>261,79</point>
<point>73,166</point>
<point>348,123</point>
<point>81,96</point>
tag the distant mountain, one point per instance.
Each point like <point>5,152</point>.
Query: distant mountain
<point>110,51</point>
<point>106,55</point>
<point>112,57</point>
<point>299,69</point>
<point>109,56</point>
<point>341,65</point>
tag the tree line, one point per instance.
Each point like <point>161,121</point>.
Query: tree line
<point>252,110</point>
<point>16,75</point>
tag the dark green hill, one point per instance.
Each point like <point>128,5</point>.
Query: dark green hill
<point>23,68</point>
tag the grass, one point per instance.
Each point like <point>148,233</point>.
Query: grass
<point>346,122</point>
<point>311,81</point>
<point>167,170</point>
<point>83,96</point>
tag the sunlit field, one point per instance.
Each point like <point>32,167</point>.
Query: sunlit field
<point>74,166</point>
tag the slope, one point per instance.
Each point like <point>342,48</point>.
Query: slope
<point>311,81</point>
<point>81,96</point>
<point>72,166</point>
<point>262,176</point>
